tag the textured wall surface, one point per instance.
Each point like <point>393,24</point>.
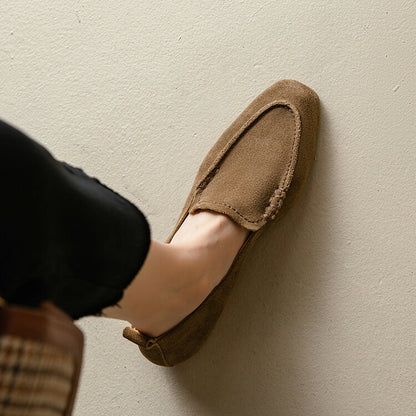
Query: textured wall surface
<point>322,321</point>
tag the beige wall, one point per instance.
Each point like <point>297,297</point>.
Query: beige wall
<point>322,322</point>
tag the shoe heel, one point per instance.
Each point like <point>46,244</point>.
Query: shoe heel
<point>186,338</point>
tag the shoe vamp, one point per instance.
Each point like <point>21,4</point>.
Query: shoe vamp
<point>255,166</point>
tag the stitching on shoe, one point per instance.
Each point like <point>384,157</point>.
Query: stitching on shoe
<point>279,194</point>
<point>144,341</point>
<point>275,202</point>
<point>151,343</point>
<point>273,211</point>
<point>224,204</point>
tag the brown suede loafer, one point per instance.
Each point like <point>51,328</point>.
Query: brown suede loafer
<point>252,174</point>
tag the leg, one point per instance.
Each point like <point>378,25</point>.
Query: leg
<point>64,236</point>
<point>82,244</point>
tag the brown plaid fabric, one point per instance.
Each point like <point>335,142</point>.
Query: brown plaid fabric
<point>35,378</point>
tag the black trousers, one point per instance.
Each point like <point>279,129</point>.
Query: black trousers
<point>64,236</point>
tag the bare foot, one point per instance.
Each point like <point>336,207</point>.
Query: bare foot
<point>214,238</point>
<point>177,277</point>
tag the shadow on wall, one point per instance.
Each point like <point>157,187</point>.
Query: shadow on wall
<point>257,359</point>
